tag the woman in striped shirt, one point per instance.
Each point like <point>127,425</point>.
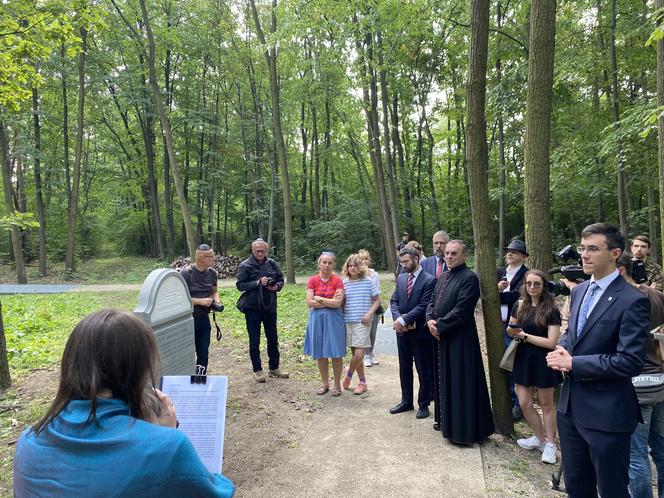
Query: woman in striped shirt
<point>362,301</point>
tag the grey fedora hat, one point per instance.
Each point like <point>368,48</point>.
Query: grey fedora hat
<point>517,245</point>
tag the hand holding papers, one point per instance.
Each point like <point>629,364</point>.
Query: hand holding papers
<point>201,412</point>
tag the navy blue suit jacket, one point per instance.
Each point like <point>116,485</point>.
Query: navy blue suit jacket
<point>429,265</point>
<point>413,308</point>
<point>598,392</point>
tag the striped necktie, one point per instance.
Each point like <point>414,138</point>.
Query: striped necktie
<point>409,285</point>
<point>439,269</point>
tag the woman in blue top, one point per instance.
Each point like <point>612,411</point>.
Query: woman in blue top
<point>109,433</point>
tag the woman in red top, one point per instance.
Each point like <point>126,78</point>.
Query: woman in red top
<point>326,333</point>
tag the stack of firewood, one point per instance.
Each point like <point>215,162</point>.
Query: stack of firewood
<point>226,266</point>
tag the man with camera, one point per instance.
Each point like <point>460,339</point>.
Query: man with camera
<point>651,274</point>
<point>201,280</point>
<point>260,278</point>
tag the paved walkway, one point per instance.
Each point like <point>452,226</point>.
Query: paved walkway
<point>355,447</point>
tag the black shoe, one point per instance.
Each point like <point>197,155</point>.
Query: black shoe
<point>400,408</point>
<point>516,413</point>
<point>436,426</point>
<point>423,412</point>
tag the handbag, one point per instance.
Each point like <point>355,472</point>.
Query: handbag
<point>242,300</point>
<point>507,361</point>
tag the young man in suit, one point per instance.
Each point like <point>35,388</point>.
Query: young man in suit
<point>408,306</point>
<point>603,348</point>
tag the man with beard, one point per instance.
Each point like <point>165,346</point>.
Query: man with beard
<point>408,305</point>
<point>435,264</point>
<point>465,414</point>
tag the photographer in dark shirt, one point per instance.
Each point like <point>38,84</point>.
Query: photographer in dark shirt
<point>201,280</point>
<point>259,278</point>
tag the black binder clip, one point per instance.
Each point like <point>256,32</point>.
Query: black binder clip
<point>200,377</point>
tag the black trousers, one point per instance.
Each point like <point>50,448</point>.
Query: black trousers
<point>254,318</point>
<point>202,329</point>
<point>416,346</point>
<point>593,460</point>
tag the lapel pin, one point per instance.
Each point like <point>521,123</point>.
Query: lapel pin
<point>610,297</point>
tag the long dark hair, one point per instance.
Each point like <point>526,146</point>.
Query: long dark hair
<point>108,350</point>
<point>545,306</point>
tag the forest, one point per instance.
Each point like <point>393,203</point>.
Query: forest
<point>142,127</point>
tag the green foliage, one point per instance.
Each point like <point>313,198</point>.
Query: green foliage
<point>18,219</point>
<point>37,326</point>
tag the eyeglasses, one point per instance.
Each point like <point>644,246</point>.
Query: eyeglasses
<point>451,253</point>
<point>588,249</point>
<point>533,284</point>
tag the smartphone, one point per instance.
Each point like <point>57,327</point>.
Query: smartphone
<point>514,325</point>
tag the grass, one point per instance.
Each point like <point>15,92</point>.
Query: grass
<point>37,328</point>
<point>115,270</point>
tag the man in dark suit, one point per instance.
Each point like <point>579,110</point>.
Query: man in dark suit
<point>408,306</point>
<point>435,264</point>
<point>510,281</point>
<point>603,348</point>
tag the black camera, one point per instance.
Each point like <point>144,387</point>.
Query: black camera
<point>271,281</point>
<point>639,273</point>
<point>215,306</point>
<point>570,272</point>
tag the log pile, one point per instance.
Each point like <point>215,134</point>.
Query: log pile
<point>226,266</point>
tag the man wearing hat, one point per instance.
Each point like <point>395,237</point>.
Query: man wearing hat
<point>510,281</point>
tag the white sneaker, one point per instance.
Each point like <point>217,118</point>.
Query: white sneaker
<point>374,361</point>
<point>532,443</point>
<point>549,454</point>
<point>367,360</point>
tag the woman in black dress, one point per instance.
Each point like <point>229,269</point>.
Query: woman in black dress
<point>535,321</point>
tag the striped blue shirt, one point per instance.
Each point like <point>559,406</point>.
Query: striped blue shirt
<point>359,298</point>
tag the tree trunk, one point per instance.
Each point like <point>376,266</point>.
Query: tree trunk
<point>65,127</point>
<point>168,135</point>
<point>405,184</point>
<point>622,196</point>
<point>70,256</point>
<point>38,185</point>
<point>7,188</point>
<point>478,165</point>
<point>537,208</point>
<point>501,149</point>
<point>271,59</point>
<point>305,148</point>
<point>389,160</point>
<point>5,375</point>
<point>659,5</point>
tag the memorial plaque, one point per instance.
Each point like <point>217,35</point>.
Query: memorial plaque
<point>165,305</point>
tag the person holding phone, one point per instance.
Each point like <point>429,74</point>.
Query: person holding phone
<point>535,321</point>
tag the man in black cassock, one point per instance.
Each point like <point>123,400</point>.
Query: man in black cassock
<point>465,414</point>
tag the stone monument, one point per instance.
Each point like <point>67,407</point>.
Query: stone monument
<point>165,305</point>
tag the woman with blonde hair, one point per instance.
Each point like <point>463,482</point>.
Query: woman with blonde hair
<point>325,336</point>
<point>362,301</point>
<point>369,357</point>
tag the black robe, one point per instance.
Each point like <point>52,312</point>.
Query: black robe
<point>464,411</point>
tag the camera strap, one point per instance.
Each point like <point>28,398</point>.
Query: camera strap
<point>214,319</point>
